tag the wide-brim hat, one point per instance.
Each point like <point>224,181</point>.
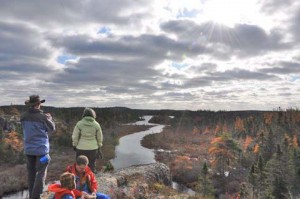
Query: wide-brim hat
<point>33,100</point>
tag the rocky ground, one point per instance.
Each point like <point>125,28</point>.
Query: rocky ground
<point>143,181</point>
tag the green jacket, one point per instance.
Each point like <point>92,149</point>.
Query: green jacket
<point>87,134</point>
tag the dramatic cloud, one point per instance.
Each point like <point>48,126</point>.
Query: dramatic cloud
<point>151,54</point>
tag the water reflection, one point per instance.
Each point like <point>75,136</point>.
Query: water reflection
<point>130,152</point>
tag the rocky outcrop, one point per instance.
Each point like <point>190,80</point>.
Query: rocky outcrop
<point>143,181</point>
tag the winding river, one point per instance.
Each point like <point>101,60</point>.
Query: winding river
<point>130,152</point>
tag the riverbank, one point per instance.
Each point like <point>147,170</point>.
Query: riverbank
<point>183,150</point>
<point>13,177</point>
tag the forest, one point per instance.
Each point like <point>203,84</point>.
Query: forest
<point>219,154</point>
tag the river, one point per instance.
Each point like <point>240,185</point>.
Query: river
<point>129,152</point>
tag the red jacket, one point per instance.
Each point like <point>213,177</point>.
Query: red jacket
<point>60,191</point>
<point>88,175</point>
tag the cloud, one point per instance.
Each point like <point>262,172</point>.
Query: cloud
<point>294,25</point>
<point>240,74</point>
<point>158,47</point>
<point>148,54</point>
<point>67,13</point>
<point>13,43</point>
<point>111,76</point>
<point>271,6</point>
<point>19,57</point>
<point>283,67</point>
<point>243,40</point>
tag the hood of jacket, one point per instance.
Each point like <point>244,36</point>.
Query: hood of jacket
<point>60,191</point>
<point>87,121</point>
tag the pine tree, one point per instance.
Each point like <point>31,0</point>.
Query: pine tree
<point>205,187</point>
<point>224,151</point>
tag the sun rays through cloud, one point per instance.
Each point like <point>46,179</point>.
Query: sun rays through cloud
<point>213,54</point>
<point>231,12</point>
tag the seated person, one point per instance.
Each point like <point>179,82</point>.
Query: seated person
<point>66,188</point>
<point>85,178</point>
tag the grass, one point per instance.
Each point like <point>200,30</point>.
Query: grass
<point>13,179</point>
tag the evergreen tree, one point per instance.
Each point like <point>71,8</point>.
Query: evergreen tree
<point>205,187</point>
<point>280,190</point>
<point>224,149</point>
<point>279,173</point>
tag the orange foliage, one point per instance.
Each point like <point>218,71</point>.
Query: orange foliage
<point>220,151</point>
<point>14,111</point>
<point>239,125</point>
<point>12,140</point>
<point>182,162</point>
<point>268,118</point>
<point>218,128</point>
<point>217,140</point>
<point>225,128</point>
<point>287,137</point>
<point>295,141</point>
<point>293,115</point>
<point>214,150</point>
<point>196,131</point>
<point>247,142</point>
<point>256,148</point>
<point>206,130</point>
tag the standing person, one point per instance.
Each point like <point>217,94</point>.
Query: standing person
<point>85,178</point>
<point>36,127</point>
<point>87,137</point>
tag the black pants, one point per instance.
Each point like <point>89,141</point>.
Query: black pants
<point>91,155</point>
<point>36,176</point>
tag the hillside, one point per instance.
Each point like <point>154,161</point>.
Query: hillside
<point>240,154</point>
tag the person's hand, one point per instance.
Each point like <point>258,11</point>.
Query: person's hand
<point>74,148</point>
<point>99,153</point>
<point>93,195</point>
<point>48,115</point>
<point>84,194</point>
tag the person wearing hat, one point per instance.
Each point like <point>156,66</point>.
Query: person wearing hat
<point>36,125</point>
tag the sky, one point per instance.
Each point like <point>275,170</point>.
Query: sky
<point>151,54</point>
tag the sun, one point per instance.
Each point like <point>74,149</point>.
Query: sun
<point>229,12</point>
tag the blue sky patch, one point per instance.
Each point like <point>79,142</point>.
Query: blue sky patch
<point>178,65</point>
<point>104,30</point>
<point>187,13</point>
<point>62,59</point>
<point>294,78</point>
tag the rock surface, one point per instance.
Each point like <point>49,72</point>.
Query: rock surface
<point>143,181</point>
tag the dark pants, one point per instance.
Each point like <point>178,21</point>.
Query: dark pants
<point>36,176</point>
<point>91,155</point>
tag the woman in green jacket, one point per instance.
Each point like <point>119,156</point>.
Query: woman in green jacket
<point>87,137</point>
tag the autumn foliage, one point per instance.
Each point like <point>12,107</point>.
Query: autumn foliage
<point>14,141</point>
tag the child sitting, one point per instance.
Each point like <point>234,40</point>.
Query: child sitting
<point>85,178</point>
<point>67,188</point>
